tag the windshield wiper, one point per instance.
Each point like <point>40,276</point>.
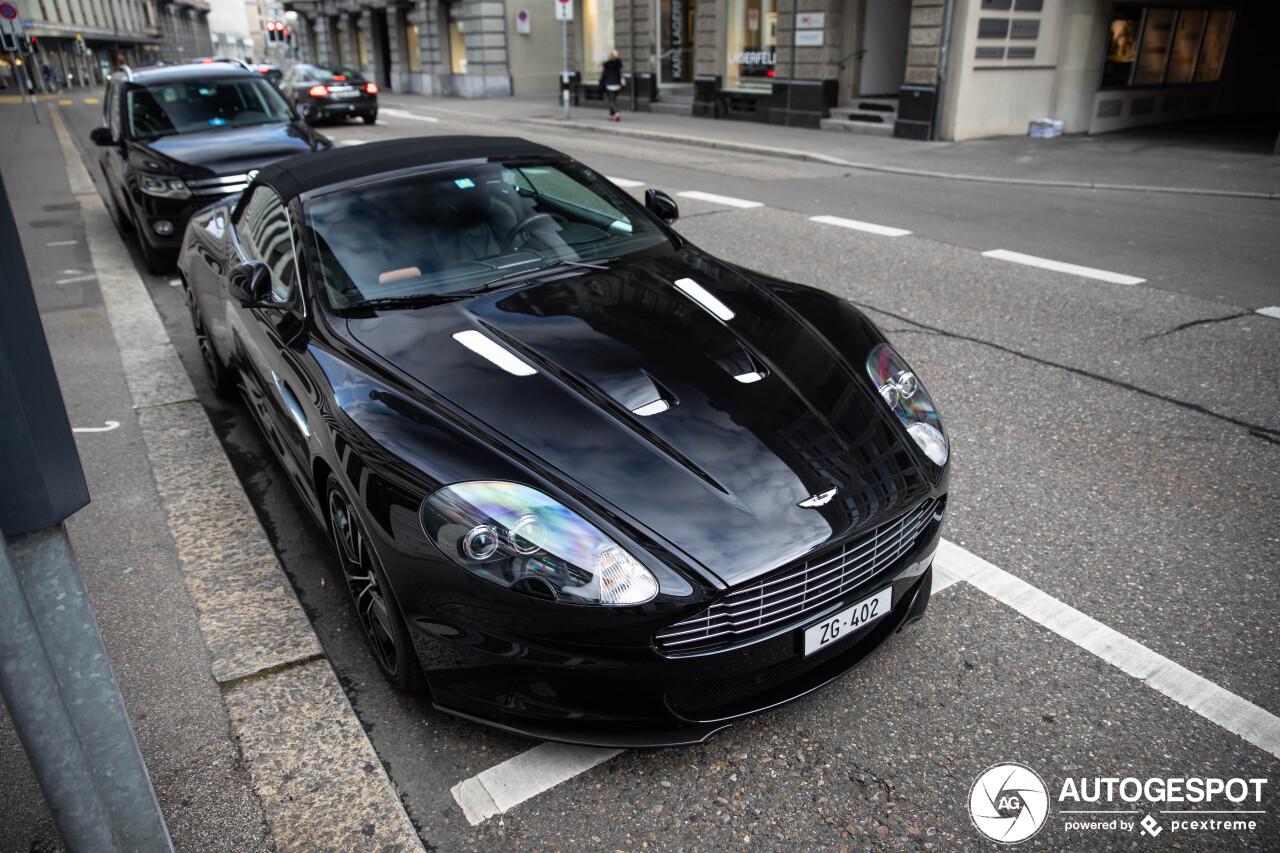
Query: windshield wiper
<point>414,300</point>
<point>539,272</point>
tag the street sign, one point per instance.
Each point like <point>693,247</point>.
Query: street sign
<point>564,10</point>
<point>10,27</point>
<point>522,22</point>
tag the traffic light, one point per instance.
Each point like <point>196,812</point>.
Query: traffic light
<point>288,36</point>
<point>272,34</point>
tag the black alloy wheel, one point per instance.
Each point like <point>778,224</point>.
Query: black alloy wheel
<point>376,607</point>
<point>157,262</point>
<point>219,377</point>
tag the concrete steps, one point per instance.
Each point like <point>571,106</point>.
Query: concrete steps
<point>872,116</point>
<point>675,102</point>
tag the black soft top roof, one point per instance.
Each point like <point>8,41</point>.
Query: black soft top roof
<point>294,176</point>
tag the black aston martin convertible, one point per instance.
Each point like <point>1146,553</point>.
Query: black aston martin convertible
<point>586,482</point>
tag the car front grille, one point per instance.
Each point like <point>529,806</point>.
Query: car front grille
<point>225,185</point>
<point>771,604</point>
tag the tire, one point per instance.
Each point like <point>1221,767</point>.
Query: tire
<point>158,263</point>
<point>309,114</point>
<point>377,610</point>
<point>219,376</point>
<point>371,118</point>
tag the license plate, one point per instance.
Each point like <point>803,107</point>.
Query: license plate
<point>847,621</point>
<point>343,93</point>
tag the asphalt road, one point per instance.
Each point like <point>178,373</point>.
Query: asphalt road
<point>1116,446</point>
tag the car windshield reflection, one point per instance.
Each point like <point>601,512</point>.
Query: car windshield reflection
<point>403,241</point>
<point>190,107</point>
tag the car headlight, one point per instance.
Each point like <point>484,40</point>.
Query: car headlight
<point>521,539</point>
<point>163,186</point>
<point>902,392</point>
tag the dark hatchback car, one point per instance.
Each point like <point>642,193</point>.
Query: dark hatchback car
<point>585,481</point>
<point>320,94</point>
<point>177,138</point>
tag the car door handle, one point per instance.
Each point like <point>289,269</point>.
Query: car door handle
<point>291,402</point>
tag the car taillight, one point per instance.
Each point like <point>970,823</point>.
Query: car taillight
<point>318,91</point>
<point>372,88</point>
<point>339,77</point>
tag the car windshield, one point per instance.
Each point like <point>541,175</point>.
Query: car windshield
<point>164,109</point>
<point>337,75</point>
<point>446,233</point>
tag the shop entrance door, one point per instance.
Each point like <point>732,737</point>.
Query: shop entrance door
<point>885,30</point>
<point>675,43</point>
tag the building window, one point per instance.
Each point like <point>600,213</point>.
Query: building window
<point>362,48</point>
<point>676,40</point>
<point>752,30</point>
<point>597,35</point>
<point>1152,46</point>
<point>414,48</point>
<point>457,40</point>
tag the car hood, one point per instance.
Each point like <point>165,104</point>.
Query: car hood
<point>236,150</point>
<point>720,473</point>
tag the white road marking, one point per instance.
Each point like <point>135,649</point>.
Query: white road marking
<point>720,199</point>
<point>1272,311</point>
<point>505,786</point>
<point>855,225</point>
<point>349,142</point>
<point>625,183</point>
<point>75,278</point>
<point>63,243</point>
<point>1059,266</point>
<point>175,282</point>
<point>110,425</point>
<point>1234,713</point>
<point>406,114</point>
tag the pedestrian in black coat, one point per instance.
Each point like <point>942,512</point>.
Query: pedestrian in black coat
<point>611,83</point>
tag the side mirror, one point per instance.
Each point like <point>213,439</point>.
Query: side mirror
<point>101,136</point>
<point>661,205</point>
<point>250,284</point>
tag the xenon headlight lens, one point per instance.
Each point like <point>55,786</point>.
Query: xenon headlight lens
<point>902,392</point>
<point>517,537</point>
<point>163,186</point>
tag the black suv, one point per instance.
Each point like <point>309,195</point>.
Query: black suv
<point>178,138</point>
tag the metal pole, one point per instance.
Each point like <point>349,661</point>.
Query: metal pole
<point>26,78</point>
<point>66,706</point>
<point>631,6</point>
<point>564,66</point>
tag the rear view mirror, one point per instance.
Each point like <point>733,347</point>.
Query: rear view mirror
<point>250,284</point>
<point>101,136</point>
<point>661,205</point>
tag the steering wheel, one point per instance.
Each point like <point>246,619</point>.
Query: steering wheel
<point>524,229</point>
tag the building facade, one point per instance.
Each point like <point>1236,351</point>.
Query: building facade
<point>83,40</point>
<point>926,69</point>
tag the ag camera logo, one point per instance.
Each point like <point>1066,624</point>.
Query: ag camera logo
<point>1009,803</point>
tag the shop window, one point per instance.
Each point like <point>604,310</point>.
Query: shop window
<point>752,44</point>
<point>676,39</point>
<point>1213,48</point>
<point>457,40</point>
<point>1153,52</point>
<point>413,48</point>
<point>597,35</point>
<point>1186,45</point>
<point>1153,46</point>
<point>362,47</point>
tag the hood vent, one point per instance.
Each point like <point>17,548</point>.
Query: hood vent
<point>735,360</point>
<point>638,393</point>
<point>704,297</point>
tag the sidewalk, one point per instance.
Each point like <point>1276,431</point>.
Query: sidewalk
<point>250,742</point>
<point>1230,156</point>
